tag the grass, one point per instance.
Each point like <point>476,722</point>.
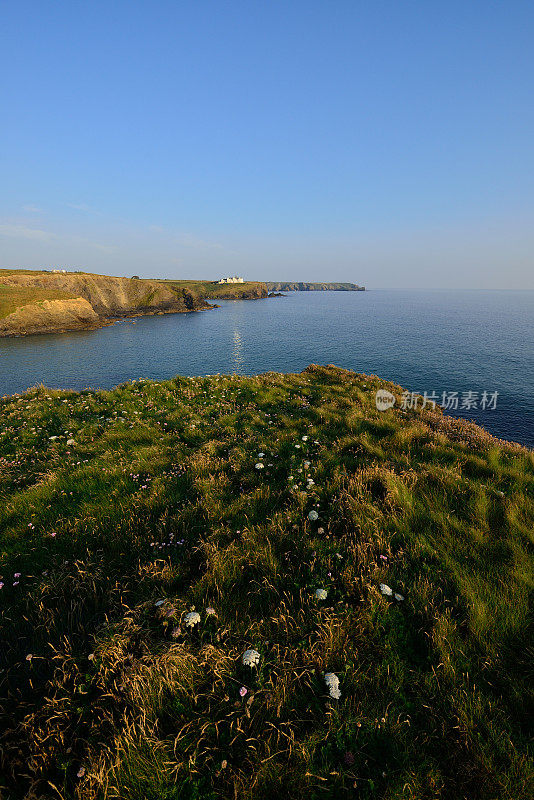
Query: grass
<point>214,290</point>
<point>157,507</point>
<point>13,297</point>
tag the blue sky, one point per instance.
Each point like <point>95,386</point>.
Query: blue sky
<point>386,143</point>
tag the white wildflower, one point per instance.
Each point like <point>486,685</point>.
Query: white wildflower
<point>191,619</point>
<point>260,455</point>
<point>321,594</point>
<point>313,516</point>
<point>259,465</point>
<point>332,684</point>
<point>211,612</point>
<point>399,597</point>
<point>385,589</point>
<point>304,438</point>
<point>251,658</point>
<point>71,441</point>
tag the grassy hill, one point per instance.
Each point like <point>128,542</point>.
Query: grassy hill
<point>391,549</point>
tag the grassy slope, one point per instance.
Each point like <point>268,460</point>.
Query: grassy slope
<point>13,297</point>
<point>108,695</point>
<point>214,290</point>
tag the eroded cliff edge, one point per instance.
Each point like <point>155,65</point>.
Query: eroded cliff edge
<point>85,301</point>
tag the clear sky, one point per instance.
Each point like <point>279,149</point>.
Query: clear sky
<point>385,142</point>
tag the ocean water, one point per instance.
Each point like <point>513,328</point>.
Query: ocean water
<point>427,341</point>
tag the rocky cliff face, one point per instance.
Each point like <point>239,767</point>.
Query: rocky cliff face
<point>97,299</point>
<point>299,286</point>
<point>50,316</point>
<point>245,293</point>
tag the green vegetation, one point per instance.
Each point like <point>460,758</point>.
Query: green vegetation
<point>13,297</point>
<point>214,290</point>
<point>123,511</point>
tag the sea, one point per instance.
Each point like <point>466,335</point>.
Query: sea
<point>470,351</point>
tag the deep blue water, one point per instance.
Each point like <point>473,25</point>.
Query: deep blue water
<point>433,341</point>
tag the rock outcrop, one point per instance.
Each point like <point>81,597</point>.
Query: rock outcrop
<point>50,316</point>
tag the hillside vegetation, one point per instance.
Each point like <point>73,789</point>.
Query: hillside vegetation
<point>155,533</point>
<point>13,297</point>
<point>213,290</point>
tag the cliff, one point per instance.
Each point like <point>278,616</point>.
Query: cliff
<point>213,290</point>
<point>245,291</point>
<point>49,316</point>
<point>84,300</point>
<point>299,286</point>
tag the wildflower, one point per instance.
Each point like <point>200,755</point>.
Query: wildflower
<point>384,558</point>
<point>81,772</point>
<point>52,438</point>
<point>321,594</point>
<point>332,684</point>
<point>29,657</point>
<point>313,516</point>
<point>399,597</point>
<point>1,585</point>
<point>243,691</point>
<point>211,612</point>
<point>16,574</point>
<point>304,438</point>
<point>191,619</point>
<point>259,465</point>
<point>176,632</point>
<point>385,589</point>
<point>260,455</point>
<point>71,441</point>
<point>159,603</point>
<point>251,658</point>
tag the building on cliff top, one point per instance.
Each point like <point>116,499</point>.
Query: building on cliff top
<point>235,279</point>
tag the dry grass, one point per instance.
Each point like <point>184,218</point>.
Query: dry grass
<point>13,297</point>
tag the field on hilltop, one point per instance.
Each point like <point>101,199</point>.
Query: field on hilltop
<point>377,565</point>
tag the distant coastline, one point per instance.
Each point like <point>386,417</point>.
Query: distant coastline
<point>44,301</point>
<point>302,286</point>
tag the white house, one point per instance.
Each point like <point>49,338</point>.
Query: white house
<point>235,279</point>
